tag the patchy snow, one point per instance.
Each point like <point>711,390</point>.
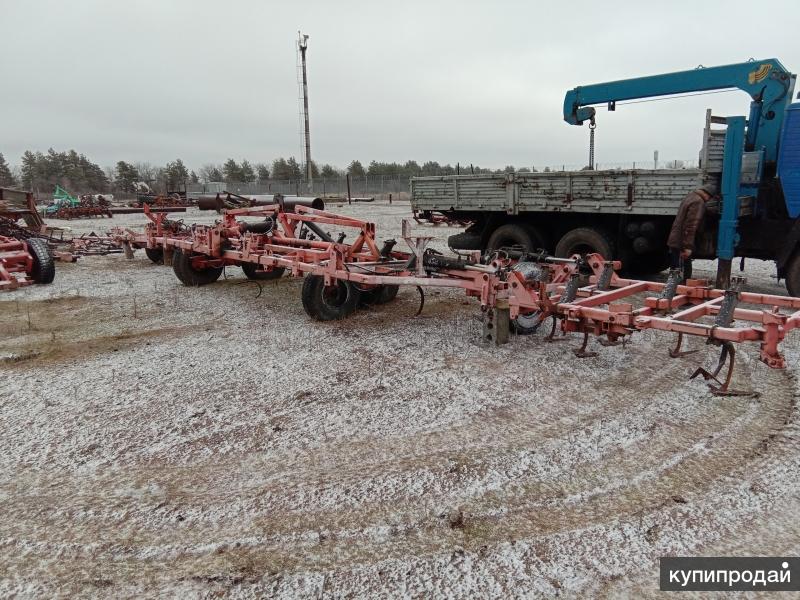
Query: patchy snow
<point>164,440</point>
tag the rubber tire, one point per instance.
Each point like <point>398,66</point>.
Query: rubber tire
<point>465,241</point>
<point>156,255</point>
<point>251,272</point>
<point>381,294</point>
<point>319,308</point>
<point>521,328</point>
<point>598,240</point>
<point>516,234</point>
<point>44,267</point>
<point>182,267</point>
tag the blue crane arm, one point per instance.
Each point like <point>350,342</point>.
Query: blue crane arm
<point>768,83</point>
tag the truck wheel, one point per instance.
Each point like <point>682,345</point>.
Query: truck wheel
<point>793,275</point>
<point>515,234</point>
<point>155,254</point>
<point>329,303</point>
<point>647,264</point>
<point>44,268</point>
<point>188,275</point>
<point>585,240</point>
<point>252,272</point>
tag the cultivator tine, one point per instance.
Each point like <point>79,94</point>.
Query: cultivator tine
<point>728,354</point>
<point>571,289</point>
<point>671,286</point>
<point>582,352</point>
<point>421,301</point>
<point>605,277</point>
<point>569,295</point>
<point>551,337</point>
<point>676,352</point>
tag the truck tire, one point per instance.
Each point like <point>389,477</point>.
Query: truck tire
<point>465,241</point>
<point>329,303</point>
<point>585,240</point>
<point>44,268</point>
<point>155,254</point>
<point>647,265</point>
<point>188,275</point>
<point>251,272</point>
<point>515,234</point>
<point>793,275</point>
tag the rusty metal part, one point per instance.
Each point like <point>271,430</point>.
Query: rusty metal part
<point>230,200</point>
<point>722,388</point>
<point>676,352</point>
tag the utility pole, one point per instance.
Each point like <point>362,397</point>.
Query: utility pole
<point>302,45</point>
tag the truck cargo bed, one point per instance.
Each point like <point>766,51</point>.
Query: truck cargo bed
<point>635,191</point>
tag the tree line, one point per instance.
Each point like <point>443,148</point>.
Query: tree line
<point>73,171</point>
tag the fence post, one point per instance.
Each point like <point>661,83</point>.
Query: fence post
<point>349,201</point>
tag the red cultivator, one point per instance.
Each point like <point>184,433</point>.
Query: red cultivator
<point>24,262</point>
<point>517,290</point>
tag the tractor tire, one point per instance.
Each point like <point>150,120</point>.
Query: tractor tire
<point>465,241</point>
<point>585,240</point>
<point>329,303</point>
<point>44,267</point>
<point>381,294</point>
<point>252,272</point>
<point>188,275</point>
<point>514,234</point>
<point>793,275</point>
<point>156,255</point>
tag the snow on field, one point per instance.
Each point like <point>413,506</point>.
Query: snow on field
<point>165,440</point>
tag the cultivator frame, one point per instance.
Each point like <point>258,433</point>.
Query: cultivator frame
<point>15,264</point>
<point>582,295</point>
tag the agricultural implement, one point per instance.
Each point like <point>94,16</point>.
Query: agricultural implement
<point>517,290</point>
<point>24,262</point>
<point>67,206</point>
<point>152,239</point>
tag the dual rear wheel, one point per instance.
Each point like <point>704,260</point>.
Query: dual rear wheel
<point>340,299</point>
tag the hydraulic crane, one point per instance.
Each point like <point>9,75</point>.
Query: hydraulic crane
<point>758,138</point>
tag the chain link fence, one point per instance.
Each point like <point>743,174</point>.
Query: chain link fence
<point>366,186</point>
<point>381,186</point>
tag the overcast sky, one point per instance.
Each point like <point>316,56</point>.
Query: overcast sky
<point>468,82</point>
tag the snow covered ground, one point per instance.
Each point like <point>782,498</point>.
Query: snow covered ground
<point>165,440</point>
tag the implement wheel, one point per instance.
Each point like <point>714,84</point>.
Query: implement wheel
<point>381,294</point>
<point>252,272</point>
<point>155,254</point>
<point>527,324</point>
<point>44,268</point>
<point>189,275</point>
<point>329,303</point>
